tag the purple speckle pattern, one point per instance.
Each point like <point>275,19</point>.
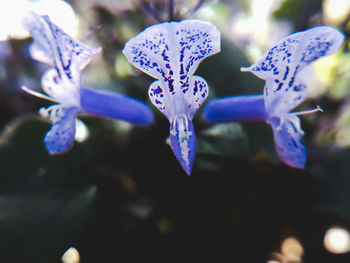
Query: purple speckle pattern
<point>196,95</point>
<point>281,65</point>
<point>60,137</point>
<point>156,95</point>
<point>54,47</point>
<point>171,52</point>
<point>285,89</point>
<point>67,57</point>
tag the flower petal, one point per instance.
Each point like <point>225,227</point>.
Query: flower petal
<point>279,66</point>
<point>117,106</point>
<point>56,48</point>
<point>160,99</point>
<point>60,137</point>
<point>196,40</point>
<point>171,52</point>
<point>186,102</point>
<point>62,91</point>
<point>277,104</point>
<point>195,95</point>
<point>173,48</point>
<point>183,142</point>
<point>287,136</point>
<point>236,108</point>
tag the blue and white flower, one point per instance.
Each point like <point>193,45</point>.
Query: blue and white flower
<point>281,68</point>
<point>62,83</point>
<point>171,53</point>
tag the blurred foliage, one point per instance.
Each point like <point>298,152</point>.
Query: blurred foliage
<point>121,194</point>
<point>288,10</point>
<point>340,87</point>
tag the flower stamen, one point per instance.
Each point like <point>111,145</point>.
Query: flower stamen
<point>38,94</point>
<point>53,112</point>
<point>305,112</point>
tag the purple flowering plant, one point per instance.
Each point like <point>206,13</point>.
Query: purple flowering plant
<point>122,183</point>
<point>62,83</point>
<point>171,53</point>
<point>285,89</point>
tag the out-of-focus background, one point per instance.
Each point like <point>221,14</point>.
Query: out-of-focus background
<point>120,195</point>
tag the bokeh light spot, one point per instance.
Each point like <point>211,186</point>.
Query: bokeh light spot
<point>337,240</point>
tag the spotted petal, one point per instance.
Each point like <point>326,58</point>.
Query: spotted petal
<point>160,98</point>
<point>281,64</point>
<point>196,94</point>
<point>187,102</point>
<point>173,48</point>
<point>277,104</point>
<point>194,41</point>
<point>171,52</point>
<point>56,48</point>
<point>287,136</point>
<point>60,137</point>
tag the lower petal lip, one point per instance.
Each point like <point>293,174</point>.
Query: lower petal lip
<point>183,142</point>
<point>60,137</point>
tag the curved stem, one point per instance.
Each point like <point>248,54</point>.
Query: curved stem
<point>38,94</point>
<point>305,112</point>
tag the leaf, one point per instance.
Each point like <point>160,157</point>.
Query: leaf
<point>288,10</point>
<point>226,139</point>
<point>45,200</point>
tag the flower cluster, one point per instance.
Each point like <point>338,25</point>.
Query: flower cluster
<point>170,52</point>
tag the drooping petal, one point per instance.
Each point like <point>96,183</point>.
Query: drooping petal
<point>60,137</point>
<point>280,65</point>
<point>236,108</point>
<point>195,95</point>
<point>287,136</point>
<point>160,99</point>
<point>187,102</point>
<point>56,48</point>
<point>117,106</point>
<point>183,142</point>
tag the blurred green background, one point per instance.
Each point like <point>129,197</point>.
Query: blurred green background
<point>119,195</point>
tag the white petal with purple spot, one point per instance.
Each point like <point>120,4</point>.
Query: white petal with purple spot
<point>171,53</point>
<point>67,55</point>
